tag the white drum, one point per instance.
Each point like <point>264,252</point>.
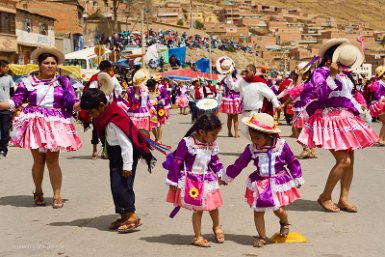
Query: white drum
<point>207,105</point>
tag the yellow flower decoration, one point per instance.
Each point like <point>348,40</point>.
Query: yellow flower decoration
<point>193,192</point>
<point>161,113</point>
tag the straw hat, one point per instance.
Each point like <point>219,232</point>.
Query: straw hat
<point>262,122</point>
<point>141,76</point>
<point>380,70</point>
<point>105,83</point>
<point>300,69</point>
<point>329,44</point>
<point>48,50</point>
<point>195,79</point>
<point>348,55</point>
<point>225,65</point>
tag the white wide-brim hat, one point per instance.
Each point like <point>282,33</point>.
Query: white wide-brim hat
<point>380,70</point>
<point>262,122</point>
<point>141,76</point>
<point>348,55</point>
<point>48,50</point>
<point>302,68</point>
<point>225,65</point>
<point>105,83</point>
<point>329,44</point>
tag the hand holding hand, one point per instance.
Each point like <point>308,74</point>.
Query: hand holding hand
<point>221,182</point>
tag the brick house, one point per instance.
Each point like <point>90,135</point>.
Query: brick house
<point>8,38</point>
<point>32,31</point>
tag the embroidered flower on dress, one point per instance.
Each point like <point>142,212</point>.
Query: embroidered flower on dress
<point>193,192</point>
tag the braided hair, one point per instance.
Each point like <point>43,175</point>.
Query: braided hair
<point>206,122</point>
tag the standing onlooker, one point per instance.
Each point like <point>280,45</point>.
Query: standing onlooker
<point>6,91</point>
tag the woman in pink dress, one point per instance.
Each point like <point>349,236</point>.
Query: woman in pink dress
<point>45,125</point>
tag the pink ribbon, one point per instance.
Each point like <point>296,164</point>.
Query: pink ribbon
<point>361,39</point>
<point>253,120</point>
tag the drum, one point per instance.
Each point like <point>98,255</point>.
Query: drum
<point>207,105</point>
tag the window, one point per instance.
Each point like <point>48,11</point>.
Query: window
<point>7,23</point>
<point>43,28</point>
<point>27,25</point>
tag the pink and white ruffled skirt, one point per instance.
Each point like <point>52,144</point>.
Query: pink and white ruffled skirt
<point>45,129</point>
<point>336,129</point>
<point>231,105</point>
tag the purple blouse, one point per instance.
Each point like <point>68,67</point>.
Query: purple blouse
<point>194,156</point>
<point>323,92</point>
<point>380,90</point>
<point>282,161</point>
<point>141,103</point>
<point>57,93</point>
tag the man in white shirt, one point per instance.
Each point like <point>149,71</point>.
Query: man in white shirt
<point>7,87</point>
<point>253,90</point>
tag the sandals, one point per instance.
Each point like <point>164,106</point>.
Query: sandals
<point>347,207</point>
<point>57,203</point>
<point>260,242</point>
<point>219,235</point>
<point>201,242</point>
<point>129,225</point>
<point>284,230</point>
<point>328,208</point>
<point>115,225</point>
<point>39,199</point>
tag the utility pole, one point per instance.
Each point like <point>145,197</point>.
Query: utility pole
<point>143,38</point>
<point>191,17</point>
<point>211,68</point>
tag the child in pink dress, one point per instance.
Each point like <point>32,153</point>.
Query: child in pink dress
<point>278,173</point>
<point>192,176</point>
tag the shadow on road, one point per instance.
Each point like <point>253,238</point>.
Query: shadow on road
<point>101,223</point>
<point>24,201</point>
<point>177,239</point>
<point>304,205</point>
<point>18,200</point>
<point>80,157</point>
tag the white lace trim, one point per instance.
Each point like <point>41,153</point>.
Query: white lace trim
<point>138,114</point>
<point>192,149</point>
<point>172,183</point>
<point>251,185</point>
<point>23,117</point>
<point>332,85</point>
<point>208,186</point>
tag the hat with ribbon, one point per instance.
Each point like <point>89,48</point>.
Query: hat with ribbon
<point>141,76</point>
<point>225,65</point>
<point>330,43</point>
<point>349,56</point>
<point>380,70</point>
<point>262,122</point>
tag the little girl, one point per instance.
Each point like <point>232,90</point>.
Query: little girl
<point>271,185</point>
<point>192,177</point>
<point>181,98</point>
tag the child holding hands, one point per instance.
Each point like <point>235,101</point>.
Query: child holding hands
<point>192,176</point>
<point>278,174</point>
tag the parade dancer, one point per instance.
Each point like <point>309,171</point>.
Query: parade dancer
<point>304,72</point>
<point>278,174</point>
<point>124,146</point>
<point>334,121</point>
<point>45,125</point>
<point>182,98</point>
<point>231,100</point>
<point>140,108</point>
<point>192,176</point>
<point>377,105</point>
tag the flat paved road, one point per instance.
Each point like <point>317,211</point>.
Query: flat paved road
<point>80,228</point>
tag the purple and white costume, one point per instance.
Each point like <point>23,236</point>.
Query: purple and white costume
<point>140,108</point>
<point>46,123</point>
<point>273,184</point>
<point>182,96</point>
<point>199,161</point>
<point>231,100</point>
<point>377,106</point>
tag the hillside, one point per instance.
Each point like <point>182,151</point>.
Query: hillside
<point>370,12</point>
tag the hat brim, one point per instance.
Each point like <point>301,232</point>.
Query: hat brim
<point>105,83</point>
<point>359,60</point>
<point>48,50</point>
<point>245,120</point>
<point>331,43</point>
<point>219,67</point>
<point>137,80</point>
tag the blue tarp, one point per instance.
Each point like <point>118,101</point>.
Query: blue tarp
<point>122,63</point>
<point>179,53</point>
<point>203,65</point>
